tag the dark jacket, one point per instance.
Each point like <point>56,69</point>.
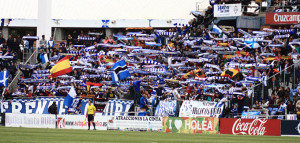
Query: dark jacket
<point>52,109</point>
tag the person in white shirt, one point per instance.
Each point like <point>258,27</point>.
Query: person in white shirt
<point>51,44</point>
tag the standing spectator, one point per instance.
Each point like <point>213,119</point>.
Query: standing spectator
<point>21,46</point>
<point>15,46</point>
<point>39,56</point>
<point>43,42</point>
<point>53,108</point>
<point>9,41</point>
<point>2,40</point>
<point>51,44</point>
<point>290,108</point>
<point>69,40</point>
<point>12,69</point>
<point>234,111</point>
<point>30,43</point>
<point>287,72</point>
<point>143,101</point>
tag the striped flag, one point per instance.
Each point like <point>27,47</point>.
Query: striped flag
<point>120,71</point>
<point>61,67</point>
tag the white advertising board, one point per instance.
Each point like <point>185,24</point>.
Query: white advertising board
<point>30,120</point>
<point>135,123</point>
<point>227,10</point>
<point>77,122</point>
<point>201,109</point>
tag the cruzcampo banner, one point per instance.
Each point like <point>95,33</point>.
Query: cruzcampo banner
<point>208,125</point>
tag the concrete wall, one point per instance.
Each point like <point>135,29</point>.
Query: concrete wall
<point>103,9</point>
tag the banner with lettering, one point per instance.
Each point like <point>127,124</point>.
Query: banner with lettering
<point>166,108</point>
<point>100,103</point>
<point>135,123</point>
<point>283,18</point>
<point>260,127</point>
<point>209,125</point>
<point>227,10</point>
<point>201,109</point>
<point>30,120</point>
<point>37,106</point>
<point>77,122</point>
<point>116,107</point>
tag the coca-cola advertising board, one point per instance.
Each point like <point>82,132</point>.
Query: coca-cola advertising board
<point>260,127</point>
<point>283,18</point>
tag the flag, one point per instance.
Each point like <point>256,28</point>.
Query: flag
<point>4,78</point>
<point>230,73</point>
<point>270,58</point>
<point>84,121</point>
<point>240,53</point>
<point>217,29</point>
<point>223,44</point>
<point>120,71</point>
<point>89,84</point>
<point>252,43</point>
<point>70,97</point>
<point>61,67</point>
<point>44,58</point>
<point>228,56</point>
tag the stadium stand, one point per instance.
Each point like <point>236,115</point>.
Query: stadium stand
<point>246,70</point>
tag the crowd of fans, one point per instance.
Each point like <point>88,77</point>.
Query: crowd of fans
<point>245,70</point>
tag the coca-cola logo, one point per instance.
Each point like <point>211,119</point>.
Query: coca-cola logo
<point>244,127</point>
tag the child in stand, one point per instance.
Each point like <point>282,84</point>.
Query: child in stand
<point>234,111</point>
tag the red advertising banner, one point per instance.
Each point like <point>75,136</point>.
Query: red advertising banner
<point>260,127</point>
<point>283,18</point>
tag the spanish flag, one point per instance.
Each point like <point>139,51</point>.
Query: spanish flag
<point>228,56</point>
<point>271,58</point>
<point>61,67</point>
<point>239,53</point>
<point>223,44</point>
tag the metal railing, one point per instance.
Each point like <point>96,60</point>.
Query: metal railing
<point>13,83</point>
<point>281,74</point>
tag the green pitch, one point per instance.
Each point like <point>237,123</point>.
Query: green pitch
<point>29,135</point>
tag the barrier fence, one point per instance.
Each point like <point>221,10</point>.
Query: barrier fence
<point>191,125</point>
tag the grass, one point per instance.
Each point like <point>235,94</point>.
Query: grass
<point>35,135</point>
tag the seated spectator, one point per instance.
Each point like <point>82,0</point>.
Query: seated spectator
<point>290,108</point>
<point>257,105</point>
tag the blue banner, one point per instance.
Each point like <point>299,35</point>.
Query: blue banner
<point>37,106</point>
<point>166,108</point>
<point>290,127</point>
<point>252,115</point>
<point>117,107</point>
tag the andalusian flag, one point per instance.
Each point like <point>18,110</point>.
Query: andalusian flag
<point>61,67</point>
